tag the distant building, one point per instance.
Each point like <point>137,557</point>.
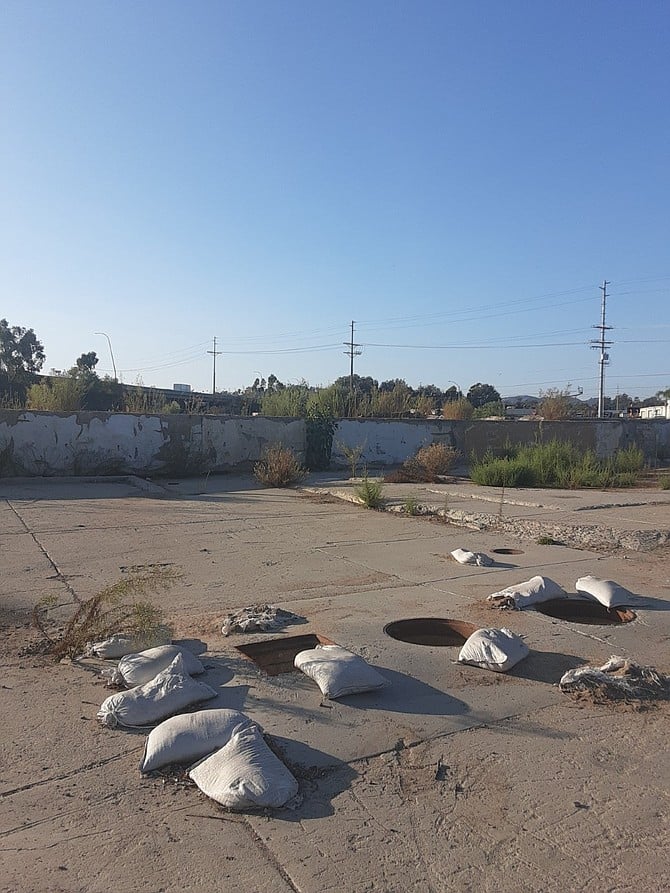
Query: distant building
<point>661,411</point>
<point>182,388</point>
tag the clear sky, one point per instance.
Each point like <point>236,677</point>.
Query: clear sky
<point>457,177</point>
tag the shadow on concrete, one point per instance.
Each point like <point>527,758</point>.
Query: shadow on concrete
<point>546,666</point>
<point>406,694</point>
<point>195,646</point>
<point>321,777</point>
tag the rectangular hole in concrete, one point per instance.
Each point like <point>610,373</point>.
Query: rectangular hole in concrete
<point>276,656</point>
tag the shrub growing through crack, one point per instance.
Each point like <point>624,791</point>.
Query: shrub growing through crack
<point>370,493</point>
<point>118,608</point>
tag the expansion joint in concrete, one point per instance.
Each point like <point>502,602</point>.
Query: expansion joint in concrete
<point>59,574</point>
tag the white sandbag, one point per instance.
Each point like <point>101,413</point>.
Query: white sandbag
<point>462,556</point>
<point>607,592</point>
<point>171,691</point>
<point>120,644</point>
<point>245,774</point>
<point>136,669</point>
<point>190,736</point>
<point>531,592</point>
<point>337,671</point>
<point>493,649</point>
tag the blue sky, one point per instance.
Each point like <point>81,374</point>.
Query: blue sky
<point>457,177</point>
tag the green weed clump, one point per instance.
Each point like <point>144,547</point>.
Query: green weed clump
<point>370,493</point>
<point>118,608</point>
<point>279,467</point>
<point>664,482</point>
<point>411,505</point>
<point>559,465</point>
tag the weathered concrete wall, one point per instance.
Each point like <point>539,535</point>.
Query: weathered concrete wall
<point>90,443</point>
<point>389,442</point>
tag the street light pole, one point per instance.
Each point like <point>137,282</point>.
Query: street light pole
<point>109,341</point>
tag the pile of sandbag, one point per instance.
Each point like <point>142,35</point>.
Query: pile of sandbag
<point>493,649</point>
<point>338,672</point>
<point>463,556</point>
<point>522,595</point>
<point>541,589</point>
<point>228,757</point>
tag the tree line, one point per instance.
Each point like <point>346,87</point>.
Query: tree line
<point>22,386</point>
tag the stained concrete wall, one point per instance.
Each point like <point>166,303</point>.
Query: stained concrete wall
<point>389,442</point>
<point>94,443</point>
<point>90,443</point>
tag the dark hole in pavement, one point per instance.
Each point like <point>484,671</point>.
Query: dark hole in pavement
<point>430,631</point>
<point>585,612</point>
<point>507,551</point>
<point>276,656</point>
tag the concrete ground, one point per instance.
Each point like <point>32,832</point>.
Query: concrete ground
<point>450,779</point>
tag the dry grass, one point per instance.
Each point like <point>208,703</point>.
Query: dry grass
<point>279,467</point>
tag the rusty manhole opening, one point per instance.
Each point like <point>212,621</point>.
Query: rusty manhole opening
<point>585,612</point>
<point>507,551</point>
<point>276,656</point>
<point>435,631</point>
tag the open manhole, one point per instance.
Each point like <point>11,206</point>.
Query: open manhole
<point>276,656</point>
<point>584,612</point>
<point>435,631</point>
<point>507,551</point>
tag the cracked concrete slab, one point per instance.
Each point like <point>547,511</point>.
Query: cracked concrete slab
<point>452,778</point>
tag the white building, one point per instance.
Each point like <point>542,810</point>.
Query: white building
<point>662,411</point>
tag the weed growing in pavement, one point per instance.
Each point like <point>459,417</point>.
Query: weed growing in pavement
<point>410,505</point>
<point>279,467</point>
<point>557,464</point>
<point>118,608</point>
<point>429,464</point>
<point>370,493</point>
<point>547,541</point>
<point>352,454</point>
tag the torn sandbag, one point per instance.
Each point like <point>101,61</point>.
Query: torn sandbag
<point>136,669</point>
<point>245,774</point>
<point>607,592</point>
<point>522,595</point>
<point>338,672</point>
<point>493,649</point>
<point>190,736</point>
<point>618,679</point>
<point>259,617</point>
<point>167,693</point>
<point>463,556</point>
<point>120,644</point>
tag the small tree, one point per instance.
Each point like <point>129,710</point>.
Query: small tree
<point>21,358</point>
<point>555,404</point>
<point>479,394</point>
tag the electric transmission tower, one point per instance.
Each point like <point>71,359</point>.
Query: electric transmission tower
<point>602,345</point>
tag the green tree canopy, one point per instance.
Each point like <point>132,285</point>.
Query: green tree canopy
<point>21,357</point>
<point>479,394</point>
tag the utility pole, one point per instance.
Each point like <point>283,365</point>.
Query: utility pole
<point>351,353</point>
<point>215,353</point>
<point>601,344</point>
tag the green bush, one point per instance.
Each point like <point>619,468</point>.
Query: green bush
<point>664,482</point>
<point>557,464</point>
